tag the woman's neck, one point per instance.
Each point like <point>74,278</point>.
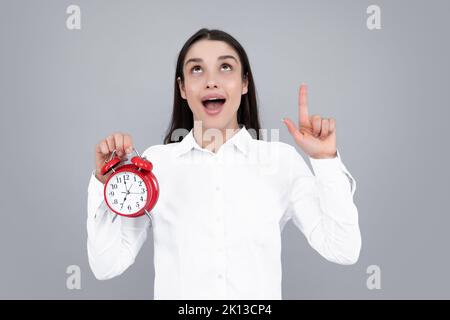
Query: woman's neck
<point>213,138</point>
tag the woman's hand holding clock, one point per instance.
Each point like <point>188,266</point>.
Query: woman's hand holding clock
<point>121,142</point>
<point>315,135</point>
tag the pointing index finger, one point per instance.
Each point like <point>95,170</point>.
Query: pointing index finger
<point>303,106</point>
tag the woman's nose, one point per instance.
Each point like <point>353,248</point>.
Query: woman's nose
<point>211,82</point>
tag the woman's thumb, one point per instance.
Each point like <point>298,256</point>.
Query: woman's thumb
<point>296,134</point>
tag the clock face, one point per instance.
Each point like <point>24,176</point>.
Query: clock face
<point>126,193</point>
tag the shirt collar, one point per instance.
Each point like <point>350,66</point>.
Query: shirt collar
<point>240,139</point>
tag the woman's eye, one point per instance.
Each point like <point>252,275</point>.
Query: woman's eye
<point>227,65</point>
<point>195,68</point>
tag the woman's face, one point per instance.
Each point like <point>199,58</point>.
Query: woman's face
<point>212,69</point>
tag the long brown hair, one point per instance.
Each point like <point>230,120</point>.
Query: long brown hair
<point>247,114</point>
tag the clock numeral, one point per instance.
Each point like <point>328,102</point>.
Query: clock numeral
<point>140,183</point>
<point>126,177</point>
<point>129,207</point>
<point>113,186</point>
<point>119,179</point>
<point>111,193</point>
<point>134,178</point>
<point>121,206</point>
<point>137,204</point>
<point>143,190</point>
<point>142,198</point>
<point>115,201</point>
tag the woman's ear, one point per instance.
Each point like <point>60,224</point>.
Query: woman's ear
<point>181,86</point>
<point>245,84</point>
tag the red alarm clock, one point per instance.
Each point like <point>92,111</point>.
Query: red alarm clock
<point>132,190</point>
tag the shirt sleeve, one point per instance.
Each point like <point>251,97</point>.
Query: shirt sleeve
<point>112,246</point>
<point>322,207</point>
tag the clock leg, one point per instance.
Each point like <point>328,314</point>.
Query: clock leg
<point>149,216</point>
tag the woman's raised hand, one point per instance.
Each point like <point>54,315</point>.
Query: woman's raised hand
<point>315,135</point>
<point>121,142</point>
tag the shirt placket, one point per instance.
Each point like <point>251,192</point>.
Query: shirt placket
<point>219,225</point>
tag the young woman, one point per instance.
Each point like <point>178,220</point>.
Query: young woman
<point>225,194</point>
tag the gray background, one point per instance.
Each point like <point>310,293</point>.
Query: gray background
<point>62,91</point>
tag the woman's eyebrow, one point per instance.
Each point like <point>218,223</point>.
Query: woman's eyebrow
<point>219,58</point>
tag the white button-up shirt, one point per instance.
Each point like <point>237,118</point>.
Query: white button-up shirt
<point>218,220</point>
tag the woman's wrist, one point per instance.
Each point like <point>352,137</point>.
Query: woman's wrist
<point>99,176</point>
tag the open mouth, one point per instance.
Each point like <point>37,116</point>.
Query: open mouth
<point>213,106</point>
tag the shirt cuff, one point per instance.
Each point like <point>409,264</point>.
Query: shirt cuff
<point>327,167</point>
<point>95,186</point>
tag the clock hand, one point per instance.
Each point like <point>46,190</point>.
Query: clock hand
<point>128,191</point>
<point>132,192</point>
<point>125,183</point>
<point>124,199</point>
